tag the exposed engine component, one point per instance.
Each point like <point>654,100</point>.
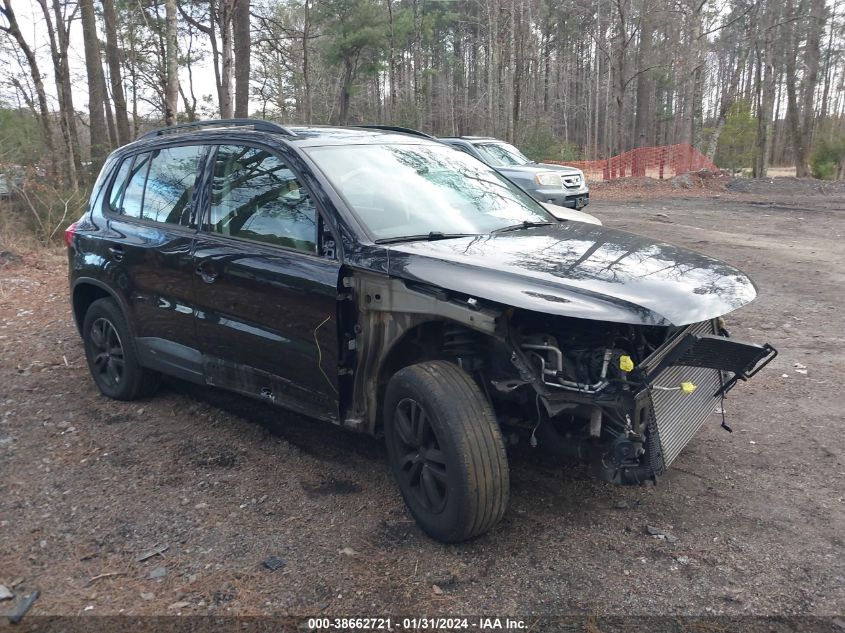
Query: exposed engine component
<point>625,398</point>
<point>597,373</point>
<point>568,372</point>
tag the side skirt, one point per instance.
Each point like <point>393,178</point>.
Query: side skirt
<point>170,358</point>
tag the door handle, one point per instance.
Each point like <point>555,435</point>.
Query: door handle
<point>116,252</point>
<point>207,272</point>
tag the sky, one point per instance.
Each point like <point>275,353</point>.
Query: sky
<point>34,30</point>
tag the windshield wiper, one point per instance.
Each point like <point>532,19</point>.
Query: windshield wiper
<point>432,236</point>
<point>525,224</point>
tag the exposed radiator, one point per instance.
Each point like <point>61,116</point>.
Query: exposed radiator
<point>679,416</point>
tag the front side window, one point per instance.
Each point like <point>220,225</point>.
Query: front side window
<point>502,154</point>
<point>254,195</point>
<point>401,191</point>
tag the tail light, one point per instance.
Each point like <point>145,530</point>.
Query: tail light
<point>69,233</point>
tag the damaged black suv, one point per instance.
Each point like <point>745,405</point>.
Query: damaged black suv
<point>385,282</point>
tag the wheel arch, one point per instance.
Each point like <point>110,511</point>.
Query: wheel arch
<point>86,291</point>
<point>392,324</point>
<point>426,340</point>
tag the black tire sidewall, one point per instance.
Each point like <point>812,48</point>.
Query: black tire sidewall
<point>457,521</point>
<point>439,526</point>
<point>133,374</point>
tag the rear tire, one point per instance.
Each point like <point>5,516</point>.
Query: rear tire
<point>446,450</point>
<point>111,354</point>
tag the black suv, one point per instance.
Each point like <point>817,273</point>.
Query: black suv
<point>382,281</point>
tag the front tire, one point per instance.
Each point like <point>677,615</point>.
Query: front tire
<point>446,450</point>
<point>111,354</point>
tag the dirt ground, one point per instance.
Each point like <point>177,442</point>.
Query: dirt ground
<point>220,483</point>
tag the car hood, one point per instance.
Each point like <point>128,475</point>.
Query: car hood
<point>536,168</point>
<point>579,270</point>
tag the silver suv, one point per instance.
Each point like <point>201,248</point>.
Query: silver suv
<point>557,184</point>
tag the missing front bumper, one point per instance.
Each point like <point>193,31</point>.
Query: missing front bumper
<point>671,415</point>
<point>739,360</point>
<point>713,365</point>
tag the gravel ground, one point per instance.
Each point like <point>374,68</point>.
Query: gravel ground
<point>219,483</point>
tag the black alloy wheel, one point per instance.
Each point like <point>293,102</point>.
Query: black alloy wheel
<point>111,353</point>
<point>446,450</point>
<point>423,464</point>
<point>108,362</point>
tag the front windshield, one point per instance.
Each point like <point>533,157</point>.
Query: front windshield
<point>417,190</point>
<point>502,154</point>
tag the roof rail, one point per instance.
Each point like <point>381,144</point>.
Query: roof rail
<point>259,125</point>
<point>397,128</point>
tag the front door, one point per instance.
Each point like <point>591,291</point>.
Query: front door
<point>266,300</point>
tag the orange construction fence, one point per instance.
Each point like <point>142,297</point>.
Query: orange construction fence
<point>657,162</point>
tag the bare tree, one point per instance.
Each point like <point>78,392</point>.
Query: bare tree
<point>115,74</point>
<point>12,29</point>
<point>242,45</point>
<point>801,114</point>
<point>225,14</point>
<point>59,38</point>
<point>578,80</point>
<point>171,94</point>
<point>96,89</point>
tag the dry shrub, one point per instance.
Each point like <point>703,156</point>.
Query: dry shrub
<point>37,209</point>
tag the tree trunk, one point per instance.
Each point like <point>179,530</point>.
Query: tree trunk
<point>132,62</point>
<point>391,61</point>
<point>212,39</point>
<point>113,141</point>
<point>67,123</point>
<point>643,93</point>
<point>242,51</point>
<point>190,104</point>
<point>801,116</point>
<point>827,65</point>
<point>96,94</point>
<point>725,102</point>
<point>346,91</point>
<point>171,88</point>
<point>224,17</point>
<point>113,59</point>
<point>809,82</point>
<point>306,71</point>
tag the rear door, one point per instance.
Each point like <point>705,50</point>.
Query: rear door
<point>266,298</point>
<point>150,210</point>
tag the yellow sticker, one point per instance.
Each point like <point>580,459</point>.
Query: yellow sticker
<point>687,387</point>
<point>625,363</point>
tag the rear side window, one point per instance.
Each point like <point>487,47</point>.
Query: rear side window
<point>170,184</point>
<point>133,196</point>
<point>157,185</point>
<point>255,195</point>
<point>119,186</point>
